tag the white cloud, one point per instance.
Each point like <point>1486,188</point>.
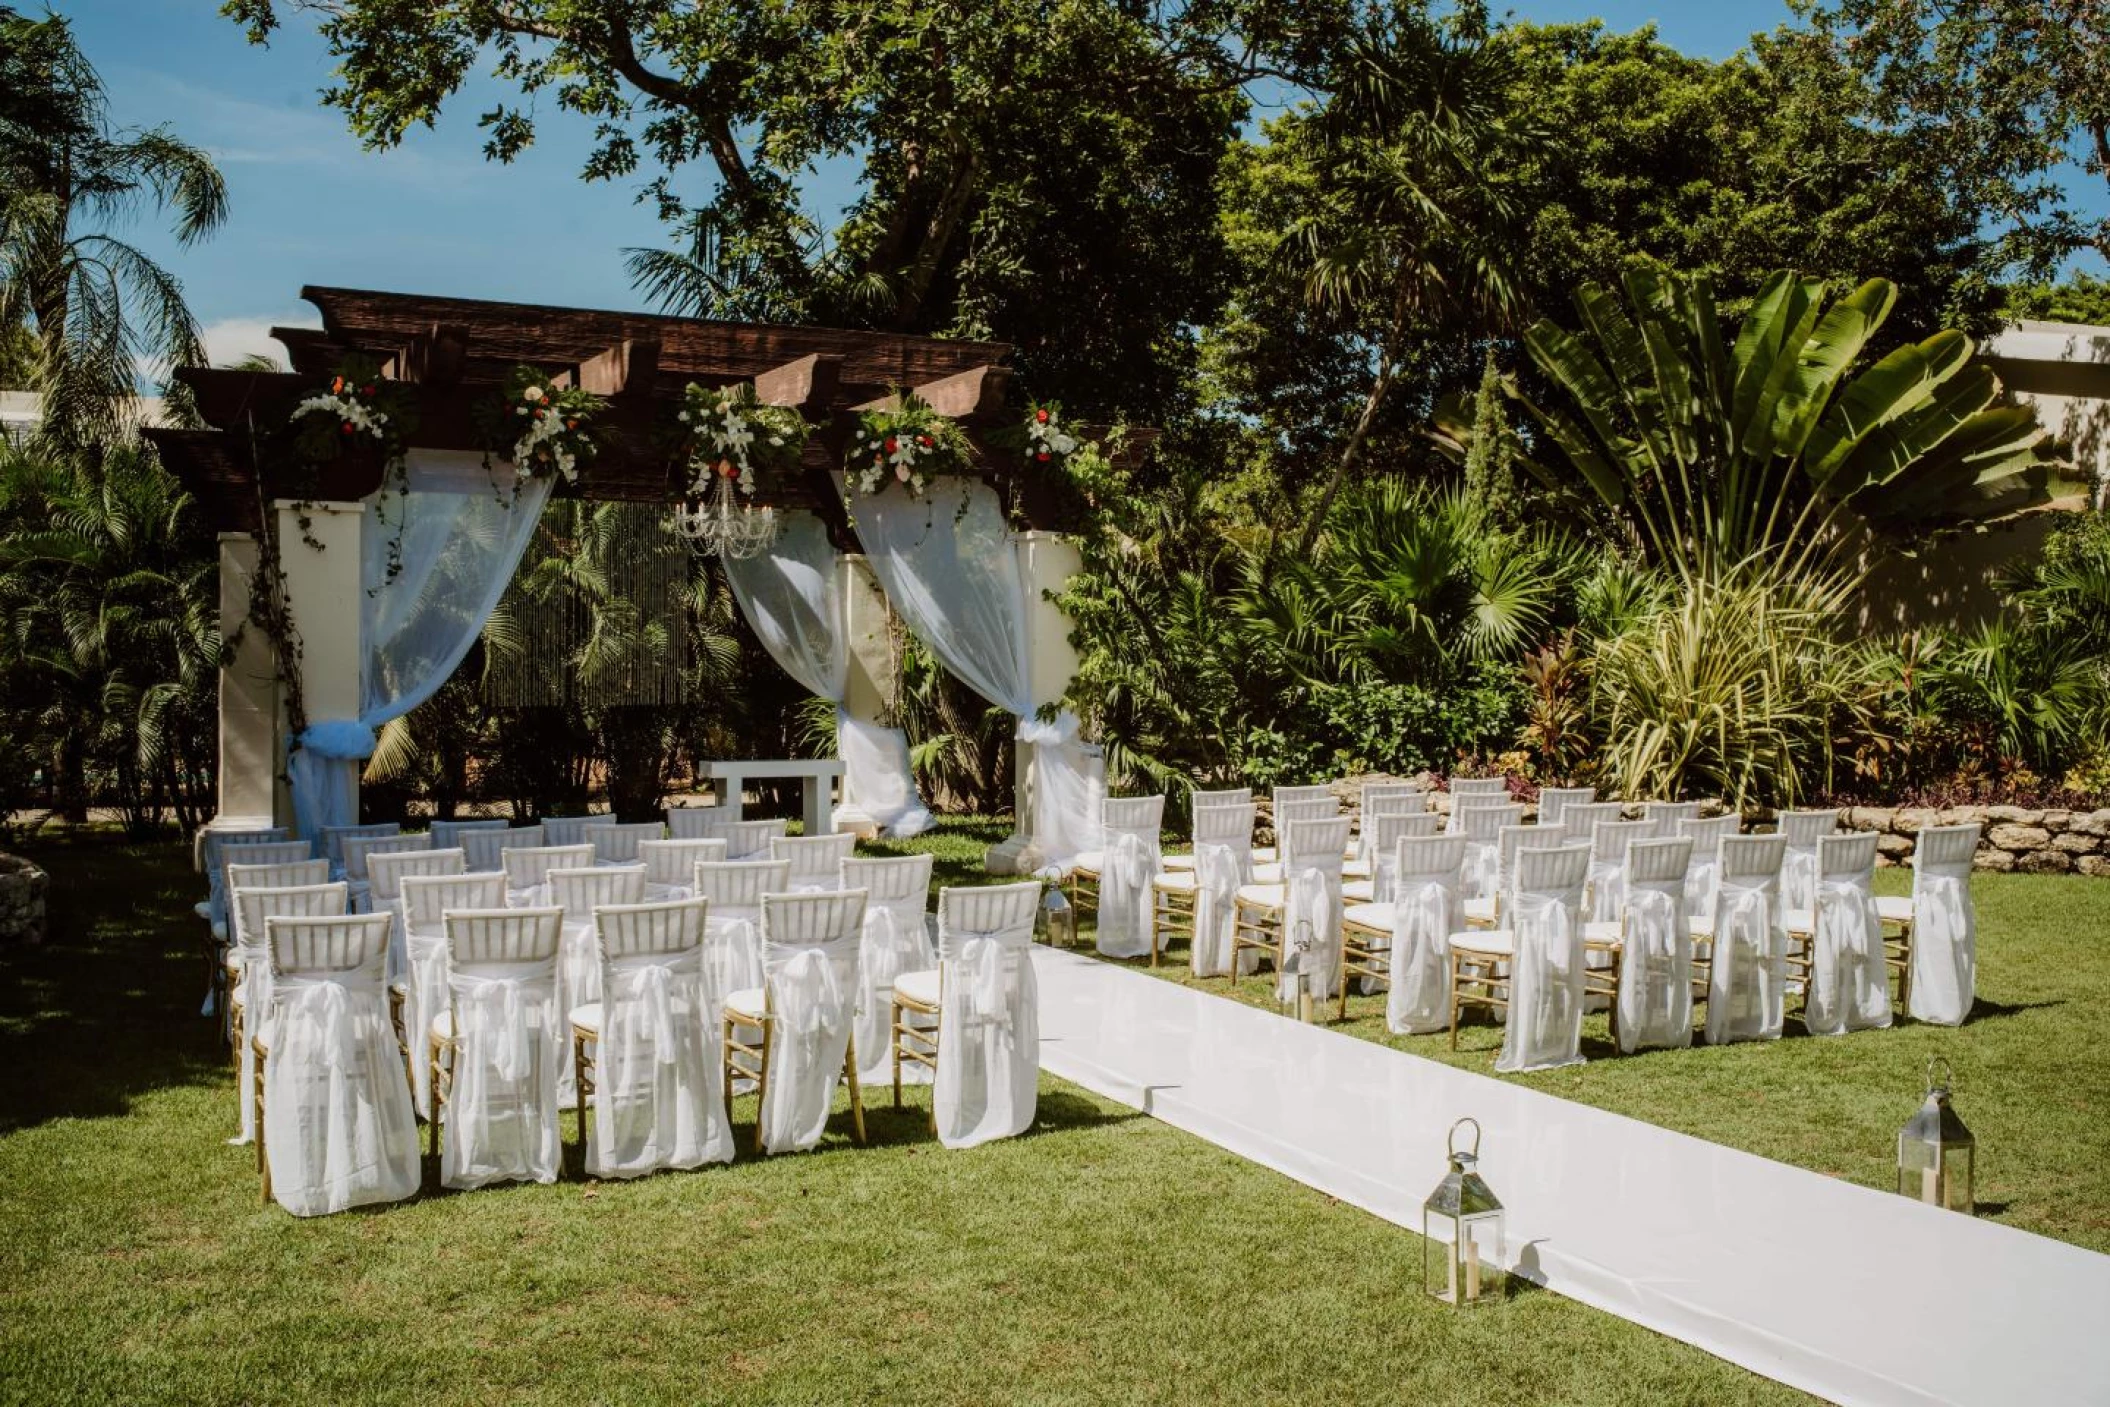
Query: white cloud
<point>228,340</point>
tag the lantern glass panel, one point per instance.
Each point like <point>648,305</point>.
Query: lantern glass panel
<point>1463,1258</point>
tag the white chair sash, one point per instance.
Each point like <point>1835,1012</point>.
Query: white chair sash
<point>424,997</point>
<point>733,954</point>
<point>1748,974</point>
<point>1217,875</point>
<point>1130,861</point>
<point>1655,973</point>
<point>1604,893</point>
<point>988,1083</point>
<point>1849,974</point>
<point>658,1094</point>
<point>501,1118</point>
<point>811,1001</point>
<point>1701,879</point>
<point>896,940</point>
<point>338,1127</point>
<point>1546,985</point>
<point>1312,911</point>
<point>1944,949</point>
<point>1483,869</point>
<point>1423,916</point>
<point>1798,880</point>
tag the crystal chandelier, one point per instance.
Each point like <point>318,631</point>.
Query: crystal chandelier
<point>718,525</point>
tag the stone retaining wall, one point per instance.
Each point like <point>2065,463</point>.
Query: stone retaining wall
<point>22,888</point>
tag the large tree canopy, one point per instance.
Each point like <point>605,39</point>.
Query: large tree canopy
<point>1038,170</point>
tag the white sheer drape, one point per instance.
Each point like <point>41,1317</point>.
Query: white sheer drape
<point>1849,968</point>
<point>463,529</point>
<point>658,1096</point>
<point>813,995</point>
<point>509,1045</point>
<point>1426,910</point>
<point>792,596</point>
<point>950,568</point>
<point>1655,968</point>
<point>1546,987</point>
<point>988,1079</point>
<point>1747,975</point>
<point>896,940</point>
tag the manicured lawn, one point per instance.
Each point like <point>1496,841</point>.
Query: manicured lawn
<point>2032,1064</point>
<point>1104,1258</point>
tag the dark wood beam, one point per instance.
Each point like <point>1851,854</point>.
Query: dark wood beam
<point>629,368</point>
<point>808,385</point>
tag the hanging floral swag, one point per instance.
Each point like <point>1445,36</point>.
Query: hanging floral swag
<point>543,429</point>
<point>728,434</point>
<point>907,446</point>
<point>361,412</point>
<point>1046,441</point>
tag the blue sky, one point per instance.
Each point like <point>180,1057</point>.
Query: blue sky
<point>433,216</point>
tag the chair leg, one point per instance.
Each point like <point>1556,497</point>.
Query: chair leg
<point>1457,973</point>
<point>578,1089</point>
<point>432,1126</point>
<point>762,1085</point>
<point>893,1039</point>
<point>263,1163</point>
<point>857,1099</point>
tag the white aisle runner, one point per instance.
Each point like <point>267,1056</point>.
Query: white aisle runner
<point>1856,1295</point>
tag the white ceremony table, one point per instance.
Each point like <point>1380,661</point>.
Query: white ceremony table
<point>817,776</point>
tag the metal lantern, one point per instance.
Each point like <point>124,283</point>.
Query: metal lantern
<point>1294,990</point>
<point>1936,1153</point>
<point>1057,919</point>
<point>1463,1253</point>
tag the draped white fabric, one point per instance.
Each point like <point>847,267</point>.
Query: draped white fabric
<point>732,946</point>
<point>462,530</point>
<point>813,994</point>
<point>338,1127</point>
<point>792,596</point>
<point>1426,911</point>
<point>252,989</point>
<point>509,1044</point>
<point>988,1082</point>
<point>1218,871</point>
<point>1849,970</point>
<point>1655,968</point>
<point>1131,859</point>
<point>1311,922</point>
<point>1944,947</point>
<point>950,568</point>
<point>1604,893</point>
<point>1546,983</point>
<point>1798,878</point>
<point>1701,880</point>
<point>424,997</point>
<point>1747,978</point>
<point>658,1095</point>
<point>896,939</point>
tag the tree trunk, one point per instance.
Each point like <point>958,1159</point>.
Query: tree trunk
<point>1350,454</point>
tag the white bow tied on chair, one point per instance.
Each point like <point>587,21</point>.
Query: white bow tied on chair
<point>1310,903</point>
<point>655,999</point>
<point>1121,901</point>
<point>500,1025</point>
<point>1420,958</point>
<point>1649,1012</point>
<point>1483,870</point>
<point>1216,877</point>
<point>979,973</point>
<point>1843,988</point>
<point>1739,1000</point>
<point>322,1009</point>
<point>1944,960</point>
<point>1544,1007</point>
<point>1798,879</point>
<point>814,995</point>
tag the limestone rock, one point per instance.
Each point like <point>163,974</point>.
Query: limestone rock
<point>2045,862</point>
<point>1986,859</point>
<point>2098,865</point>
<point>2076,844</point>
<point>1895,847</point>
<point>1913,820</point>
<point>2018,837</point>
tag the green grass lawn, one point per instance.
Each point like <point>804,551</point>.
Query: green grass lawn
<point>2032,1064</point>
<point>1103,1258</point>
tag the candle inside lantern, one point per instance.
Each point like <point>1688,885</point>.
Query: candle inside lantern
<point>1930,1185</point>
<point>1472,1268</point>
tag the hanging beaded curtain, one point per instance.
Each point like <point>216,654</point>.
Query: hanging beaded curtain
<point>596,615</point>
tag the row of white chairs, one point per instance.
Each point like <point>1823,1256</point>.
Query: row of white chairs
<point>1329,908</point>
<point>495,1022</point>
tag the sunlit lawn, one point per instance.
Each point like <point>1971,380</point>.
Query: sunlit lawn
<point>1104,1258</point>
<point>2033,1065</point>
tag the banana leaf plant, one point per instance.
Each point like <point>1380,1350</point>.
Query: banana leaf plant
<point>1788,442</point>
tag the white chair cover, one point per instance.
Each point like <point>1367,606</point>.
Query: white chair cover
<point>1798,869</point>
<point>386,874</point>
<point>1132,857</point>
<point>700,822</point>
<point>732,926</point>
<point>670,866</point>
<point>658,1084</point>
<point>254,908</point>
<point>809,945</point>
<point>1704,872</point>
<point>1849,968</point>
<point>895,939</point>
<point>1663,817</point>
<point>618,844</point>
<point>572,830</point>
<point>426,899</point>
<point>1428,905</point>
<point>815,861</point>
<point>1944,926</point>
<point>527,870</point>
<point>1312,855</point>
<point>1481,823</point>
<point>1604,892</point>
<point>446,835</point>
<point>749,840</point>
<point>510,1041</point>
<point>338,1127</point>
<point>1655,956</point>
<point>484,850</point>
<point>988,1083</point>
<point>1223,860</point>
<point>1747,977</point>
<point>359,851</point>
<point>579,893</point>
<point>1546,980</point>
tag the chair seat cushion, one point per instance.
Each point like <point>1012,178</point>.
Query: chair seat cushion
<point>443,1026</point>
<point>918,987</point>
<point>748,1003</point>
<point>1601,931</point>
<point>1483,942</point>
<point>1355,869</point>
<point>1358,891</point>
<point>1894,908</point>
<point>1263,854</point>
<point>1269,873</point>
<point>587,1018</point>
<point>1480,911</point>
<point>1089,863</point>
<point>1272,896</point>
<point>1366,915</point>
<point>1178,862</point>
<point>1175,882</point>
<point>1796,920</point>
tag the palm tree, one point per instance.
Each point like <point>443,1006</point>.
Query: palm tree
<point>1418,221</point>
<point>98,307</point>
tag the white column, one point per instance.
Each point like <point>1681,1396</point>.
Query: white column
<point>320,560</point>
<point>870,690</point>
<point>248,704</point>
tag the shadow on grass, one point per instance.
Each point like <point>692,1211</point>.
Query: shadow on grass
<point>1986,1009</point>
<point>106,1008</point>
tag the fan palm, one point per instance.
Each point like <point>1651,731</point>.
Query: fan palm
<point>98,307</point>
<point>1705,453</point>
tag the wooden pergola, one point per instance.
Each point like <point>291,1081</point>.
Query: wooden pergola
<point>451,356</point>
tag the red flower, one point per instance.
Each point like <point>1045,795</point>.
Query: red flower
<point>890,444</point>
<point>1041,416</point>
<point>349,427</point>
<point>571,424</point>
<point>337,386</point>
<point>1042,456</point>
<point>923,440</point>
<point>725,469</point>
<point>366,390</point>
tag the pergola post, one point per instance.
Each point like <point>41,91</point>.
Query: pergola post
<point>1046,562</point>
<point>248,703</point>
<point>870,689</point>
<point>324,598</point>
